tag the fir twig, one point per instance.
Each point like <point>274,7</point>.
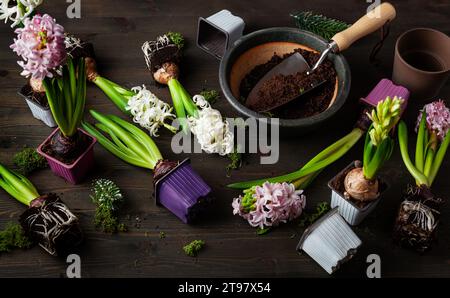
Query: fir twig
<point>318,24</point>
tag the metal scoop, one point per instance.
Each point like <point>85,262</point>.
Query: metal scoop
<point>373,20</point>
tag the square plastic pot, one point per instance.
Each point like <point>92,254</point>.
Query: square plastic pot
<point>352,213</point>
<point>39,112</point>
<point>183,192</point>
<point>330,241</point>
<point>218,32</point>
<point>386,88</point>
<point>75,172</point>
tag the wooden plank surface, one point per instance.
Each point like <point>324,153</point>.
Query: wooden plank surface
<point>117,29</point>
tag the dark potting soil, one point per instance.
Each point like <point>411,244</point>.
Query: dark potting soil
<point>411,228</point>
<point>281,87</point>
<point>338,185</point>
<point>67,151</point>
<point>38,97</point>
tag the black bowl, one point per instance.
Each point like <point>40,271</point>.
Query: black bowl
<point>257,48</point>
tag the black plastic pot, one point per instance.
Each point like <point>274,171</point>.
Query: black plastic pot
<point>262,43</point>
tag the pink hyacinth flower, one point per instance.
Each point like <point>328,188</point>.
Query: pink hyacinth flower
<point>40,44</point>
<point>438,118</point>
<point>275,203</point>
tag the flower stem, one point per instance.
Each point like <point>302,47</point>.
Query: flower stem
<point>118,99</point>
<point>316,164</point>
<point>18,186</point>
<point>420,178</point>
<point>421,145</point>
<point>439,157</point>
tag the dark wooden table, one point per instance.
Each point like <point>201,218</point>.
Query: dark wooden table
<point>117,29</point>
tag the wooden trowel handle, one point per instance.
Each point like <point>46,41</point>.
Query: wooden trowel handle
<point>369,23</point>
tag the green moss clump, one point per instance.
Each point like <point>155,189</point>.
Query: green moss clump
<point>177,38</point>
<point>28,160</point>
<point>12,237</point>
<point>192,249</point>
<point>235,161</point>
<point>309,219</point>
<point>210,96</point>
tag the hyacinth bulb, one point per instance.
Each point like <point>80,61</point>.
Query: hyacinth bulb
<point>166,72</point>
<point>360,188</point>
<point>50,223</point>
<point>162,57</point>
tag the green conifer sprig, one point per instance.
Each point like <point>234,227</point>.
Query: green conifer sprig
<point>108,198</point>
<point>318,24</point>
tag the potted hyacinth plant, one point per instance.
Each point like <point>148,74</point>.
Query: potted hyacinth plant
<point>47,221</point>
<point>418,215</point>
<point>176,185</point>
<point>41,45</point>
<point>194,114</point>
<point>357,189</point>
<point>246,206</point>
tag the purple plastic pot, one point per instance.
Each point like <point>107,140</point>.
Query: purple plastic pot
<point>75,172</point>
<point>386,88</point>
<point>183,192</point>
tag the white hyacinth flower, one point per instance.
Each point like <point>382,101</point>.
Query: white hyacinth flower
<point>18,10</point>
<point>149,111</point>
<point>211,131</point>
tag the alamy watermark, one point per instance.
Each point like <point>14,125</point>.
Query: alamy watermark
<point>374,268</point>
<point>250,136</point>
<point>74,268</point>
<point>73,10</point>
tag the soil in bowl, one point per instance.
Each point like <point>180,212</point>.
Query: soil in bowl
<point>338,185</point>
<point>67,150</point>
<point>280,87</point>
<point>38,97</point>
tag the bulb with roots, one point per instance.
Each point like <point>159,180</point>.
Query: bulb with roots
<point>360,188</point>
<point>166,72</point>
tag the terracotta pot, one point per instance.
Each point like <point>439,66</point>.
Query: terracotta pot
<point>75,172</point>
<point>422,62</point>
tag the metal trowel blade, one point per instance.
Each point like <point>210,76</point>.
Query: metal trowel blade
<point>289,66</point>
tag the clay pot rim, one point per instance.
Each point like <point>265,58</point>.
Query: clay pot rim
<point>339,101</point>
<point>409,65</point>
